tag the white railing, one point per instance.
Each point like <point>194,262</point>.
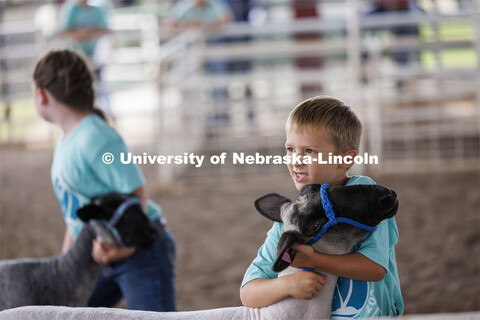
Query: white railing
<point>193,106</point>
<point>389,116</point>
<point>434,123</point>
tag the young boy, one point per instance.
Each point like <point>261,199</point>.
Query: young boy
<point>368,285</point>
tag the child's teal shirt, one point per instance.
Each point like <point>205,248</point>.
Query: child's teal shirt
<point>352,299</point>
<point>79,174</point>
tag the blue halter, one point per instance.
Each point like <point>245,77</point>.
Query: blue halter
<point>117,214</point>
<point>332,220</point>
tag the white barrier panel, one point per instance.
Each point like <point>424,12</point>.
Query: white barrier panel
<point>65,313</point>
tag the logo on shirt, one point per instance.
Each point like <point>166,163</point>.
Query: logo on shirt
<point>69,203</point>
<point>354,298</point>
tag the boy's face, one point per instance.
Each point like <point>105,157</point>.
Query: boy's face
<point>305,143</point>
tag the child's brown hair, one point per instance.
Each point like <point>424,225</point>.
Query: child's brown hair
<point>330,114</point>
<point>66,76</point>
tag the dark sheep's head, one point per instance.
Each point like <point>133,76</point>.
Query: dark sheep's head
<point>304,218</point>
<point>133,227</point>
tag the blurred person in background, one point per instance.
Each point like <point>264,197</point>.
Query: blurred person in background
<point>208,16</point>
<point>308,9</point>
<point>401,57</point>
<point>241,13</point>
<point>83,25</point>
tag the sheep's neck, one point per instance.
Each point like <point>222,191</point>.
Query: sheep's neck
<point>320,307</point>
<point>78,263</point>
<point>78,257</point>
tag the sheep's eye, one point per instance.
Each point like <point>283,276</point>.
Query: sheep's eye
<point>315,226</point>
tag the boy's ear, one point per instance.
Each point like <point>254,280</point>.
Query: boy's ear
<point>90,211</point>
<point>269,205</point>
<point>352,153</point>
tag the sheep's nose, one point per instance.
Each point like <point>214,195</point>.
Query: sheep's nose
<point>389,196</point>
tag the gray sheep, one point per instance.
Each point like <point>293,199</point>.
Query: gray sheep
<point>69,279</point>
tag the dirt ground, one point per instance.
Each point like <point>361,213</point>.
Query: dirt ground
<point>218,232</point>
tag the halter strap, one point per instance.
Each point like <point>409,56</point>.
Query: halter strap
<point>332,220</point>
<point>117,215</point>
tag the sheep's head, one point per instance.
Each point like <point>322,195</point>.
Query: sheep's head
<point>133,227</point>
<point>304,218</point>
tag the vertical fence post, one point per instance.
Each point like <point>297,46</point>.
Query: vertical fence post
<point>476,25</point>
<point>354,61</point>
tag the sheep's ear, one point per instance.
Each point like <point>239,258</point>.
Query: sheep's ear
<point>91,211</point>
<point>269,205</point>
<point>285,252</point>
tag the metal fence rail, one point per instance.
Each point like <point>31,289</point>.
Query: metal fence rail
<point>417,118</point>
<point>426,118</point>
<point>415,115</point>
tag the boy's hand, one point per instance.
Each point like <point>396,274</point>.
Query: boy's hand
<point>305,257</point>
<point>304,284</point>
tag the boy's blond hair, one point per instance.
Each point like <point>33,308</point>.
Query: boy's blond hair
<point>330,114</point>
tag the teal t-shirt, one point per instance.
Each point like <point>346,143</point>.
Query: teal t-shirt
<point>74,16</point>
<point>186,11</point>
<point>79,174</point>
<point>352,298</point>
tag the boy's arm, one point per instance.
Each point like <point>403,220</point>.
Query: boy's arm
<point>353,265</point>
<point>264,292</point>
<point>261,286</point>
<point>367,263</point>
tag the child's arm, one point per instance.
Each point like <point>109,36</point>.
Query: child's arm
<point>264,292</point>
<point>105,253</point>
<point>353,265</point>
<point>261,286</point>
<point>141,193</point>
